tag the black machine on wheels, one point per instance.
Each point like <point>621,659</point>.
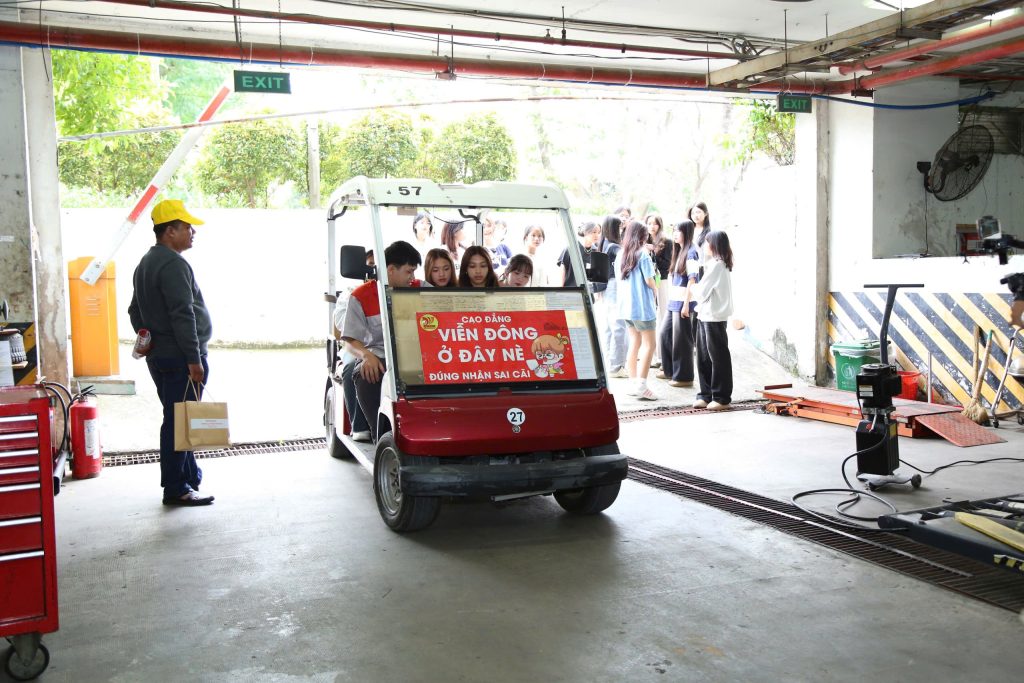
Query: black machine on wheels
<point>878,453</point>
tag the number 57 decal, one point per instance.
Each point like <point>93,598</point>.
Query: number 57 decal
<point>409,189</point>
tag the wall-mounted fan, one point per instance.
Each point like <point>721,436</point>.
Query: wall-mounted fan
<point>960,164</point>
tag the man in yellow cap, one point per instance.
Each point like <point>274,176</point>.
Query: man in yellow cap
<point>168,303</point>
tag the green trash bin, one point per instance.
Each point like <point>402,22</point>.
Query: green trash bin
<point>850,356</point>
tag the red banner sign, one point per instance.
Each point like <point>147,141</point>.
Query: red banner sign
<point>511,346</point>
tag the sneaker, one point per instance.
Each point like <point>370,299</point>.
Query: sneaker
<point>361,436</point>
<point>674,383</point>
<point>646,394</point>
<point>715,405</point>
<point>700,403</point>
<point>618,372</point>
<point>655,363</point>
<point>661,375</point>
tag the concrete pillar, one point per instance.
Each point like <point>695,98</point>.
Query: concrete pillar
<point>812,225</point>
<point>51,278</point>
<point>17,238</point>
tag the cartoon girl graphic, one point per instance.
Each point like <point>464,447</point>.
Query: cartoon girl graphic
<point>549,350</point>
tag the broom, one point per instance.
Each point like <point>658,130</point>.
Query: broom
<point>975,411</point>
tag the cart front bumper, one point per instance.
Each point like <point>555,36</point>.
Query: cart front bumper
<point>513,479</point>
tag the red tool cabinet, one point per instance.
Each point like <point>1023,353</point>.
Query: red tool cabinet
<point>28,566</point>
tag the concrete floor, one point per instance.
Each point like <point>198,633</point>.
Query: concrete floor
<point>292,576</point>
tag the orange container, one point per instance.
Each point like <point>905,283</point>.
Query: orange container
<point>93,321</point>
<point>909,380</point>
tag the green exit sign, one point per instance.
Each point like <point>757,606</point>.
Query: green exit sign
<point>262,81</point>
<point>794,104</point>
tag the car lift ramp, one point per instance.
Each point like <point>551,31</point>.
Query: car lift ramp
<point>914,419</point>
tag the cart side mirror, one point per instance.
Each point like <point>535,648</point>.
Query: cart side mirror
<point>598,269</point>
<point>353,263</point>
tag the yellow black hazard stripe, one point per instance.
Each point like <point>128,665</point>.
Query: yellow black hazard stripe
<point>30,373</point>
<point>942,324</point>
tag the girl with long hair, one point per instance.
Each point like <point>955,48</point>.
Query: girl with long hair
<point>518,273</point>
<point>660,248</point>
<point>533,246</point>
<point>452,235</point>
<point>714,306</point>
<point>476,269</point>
<point>637,304</point>
<point>590,235</point>
<point>613,329</point>
<point>677,331</point>
<point>702,226</point>
<point>439,268</point>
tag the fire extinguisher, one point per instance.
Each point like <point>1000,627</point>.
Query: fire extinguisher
<point>86,453</point>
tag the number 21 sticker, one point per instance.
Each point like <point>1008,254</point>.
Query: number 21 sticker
<point>516,418</point>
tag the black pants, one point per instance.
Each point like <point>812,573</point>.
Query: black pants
<point>179,472</point>
<point>676,340</point>
<point>368,395</point>
<point>714,362</point>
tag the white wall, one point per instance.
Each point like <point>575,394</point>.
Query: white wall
<point>877,198</point>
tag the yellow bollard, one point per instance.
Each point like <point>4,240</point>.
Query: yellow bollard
<point>93,321</point>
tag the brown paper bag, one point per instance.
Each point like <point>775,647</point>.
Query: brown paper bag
<point>201,426</point>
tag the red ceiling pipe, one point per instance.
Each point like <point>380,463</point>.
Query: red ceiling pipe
<point>965,36</point>
<point>131,43</point>
<point>27,34</point>
<point>444,32</point>
<point>1006,48</point>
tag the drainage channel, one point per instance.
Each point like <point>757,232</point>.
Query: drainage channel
<point>886,549</point>
<point>144,457</point>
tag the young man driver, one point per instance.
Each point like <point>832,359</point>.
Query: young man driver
<point>363,329</point>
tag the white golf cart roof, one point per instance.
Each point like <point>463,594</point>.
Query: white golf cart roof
<point>419,192</point>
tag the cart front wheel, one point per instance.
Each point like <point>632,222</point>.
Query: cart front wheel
<point>21,670</point>
<point>400,511</point>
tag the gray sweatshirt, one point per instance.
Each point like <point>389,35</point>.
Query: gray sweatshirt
<point>168,303</point>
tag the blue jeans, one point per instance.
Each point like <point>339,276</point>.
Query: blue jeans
<point>355,414</point>
<point>179,472</point>
<point>614,332</point>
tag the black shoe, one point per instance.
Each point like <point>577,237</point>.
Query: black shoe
<point>190,499</point>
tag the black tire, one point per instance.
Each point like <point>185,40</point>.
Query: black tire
<point>588,501</point>
<point>22,671</point>
<point>399,512</point>
<point>335,448</point>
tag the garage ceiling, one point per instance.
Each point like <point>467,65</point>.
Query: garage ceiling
<point>835,46</point>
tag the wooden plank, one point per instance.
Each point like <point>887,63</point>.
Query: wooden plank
<point>992,529</point>
<point>886,26</point>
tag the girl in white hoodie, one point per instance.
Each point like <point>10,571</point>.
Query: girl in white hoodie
<point>714,306</point>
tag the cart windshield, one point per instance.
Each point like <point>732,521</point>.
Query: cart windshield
<point>482,340</point>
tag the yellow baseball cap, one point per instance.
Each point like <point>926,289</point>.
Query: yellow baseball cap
<point>173,210</point>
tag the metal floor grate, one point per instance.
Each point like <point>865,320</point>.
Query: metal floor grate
<point>114,459</point>
<point>673,411</point>
<point>886,549</point>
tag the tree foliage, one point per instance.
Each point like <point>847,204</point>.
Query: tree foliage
<point>242,162</point>
<point>477,148</point>
<point>124,166</point>
<point>96,92</point>
<point>379,145</point>
<point>190,85</point>
<point>765,131</point>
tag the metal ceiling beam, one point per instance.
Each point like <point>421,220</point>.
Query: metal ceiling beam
<point>933,11</point>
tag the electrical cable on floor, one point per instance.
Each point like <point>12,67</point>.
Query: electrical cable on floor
<point>854,496</point>
<point>959,463</point>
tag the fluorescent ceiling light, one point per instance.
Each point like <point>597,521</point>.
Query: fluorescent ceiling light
<point>1005,14</point>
